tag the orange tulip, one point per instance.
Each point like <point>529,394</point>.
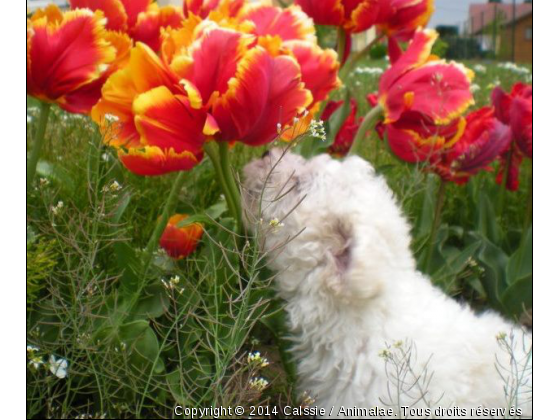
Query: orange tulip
<point>211,83</point>
<point>157,128</point>
<point>69,55</point>
<point>179,242</point>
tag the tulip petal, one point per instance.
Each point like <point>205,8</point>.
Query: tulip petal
<point>439,90</point>
<point>114,11</point>
<point>152,161</point>
<point>213,60</point>
<point>168,121</point>
<point>319,68</point>
<point>179,242</point>
<point>66,51</point>
<point>134,8</point>
<point>150,23</point>
<point>266,91</point>
<point>522,124</point>
<point>325,12</point>
<point>290,23</point>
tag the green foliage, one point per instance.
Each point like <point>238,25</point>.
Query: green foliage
<point>41,260</point>
<point>440,48</point>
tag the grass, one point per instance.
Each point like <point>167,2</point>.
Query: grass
<point>187,343</point>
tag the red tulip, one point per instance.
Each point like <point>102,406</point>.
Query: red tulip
<point>70,55</point>
<point>405,17</point>
<point>179,242</point>
<point>484,139</point>
<point>516,110</point>
<point>345,136</point>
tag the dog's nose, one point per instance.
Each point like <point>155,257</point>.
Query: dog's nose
<point>265,154</point>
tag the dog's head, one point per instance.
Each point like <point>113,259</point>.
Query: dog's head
<point>332,226</point>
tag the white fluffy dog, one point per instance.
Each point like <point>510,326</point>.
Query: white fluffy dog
<point>369,329</point>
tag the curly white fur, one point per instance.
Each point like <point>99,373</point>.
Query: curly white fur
<point>350,282</point>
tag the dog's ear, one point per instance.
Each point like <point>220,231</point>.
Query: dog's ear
<point>346,273</point>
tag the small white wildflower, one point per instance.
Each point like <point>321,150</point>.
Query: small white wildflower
<point>501,336</point>
<point>58,367</point>
<point>175,280</point>
<point>112,187</point>
<point>58,208</point>
<point>257,360</point>
<point>258,384</point>
<point>32,349</point>
<point>29,119</point>
<point>475,88</point>
<point>35,362</point>
<point>317,130</point>
<point>385,353</point>
<point>105,157</point>
<point>275,224</point>
<point>479,68</point>
<point>307,400</point>
<point>43,182</point>
<point>111,118</point>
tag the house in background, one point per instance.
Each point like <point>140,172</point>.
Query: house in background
<point>504,29</point>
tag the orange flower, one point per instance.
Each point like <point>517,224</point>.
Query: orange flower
<point>179,242</point>
<point>245,87</point>
<point>141,19</point>
<point>157,128</point>
<point>69,54</point>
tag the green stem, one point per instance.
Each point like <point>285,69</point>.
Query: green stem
<point>369,121</point>
<point>341,43</point>
<point>227,170</point>
<point>352,61</point>
<point>165,215</point>
<point>38,143</point>
<point>435,225</point>
<point>503,187</point>
<point>529,209</point>
<point>214,154</point>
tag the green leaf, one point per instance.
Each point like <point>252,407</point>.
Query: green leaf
<point>143,345</point>
<point>486,223</point>
<point>518,297</point>
<point>211,214</point>
<point>177,384</point>
<point>424,223</point>
<point>521,262</point>
<point>455,263</point>
<point>153,305</point>
<point>494,261</point>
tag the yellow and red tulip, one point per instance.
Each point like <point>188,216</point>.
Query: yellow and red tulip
<point>420,82</point>
<point>158,130</point>
<point>345,136</point>
<point>69,55</point>
<point>483,141</point>
<point>351,15</point>
<point>180,242</point>
<point>142,20</point>
<point>423,99</point>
